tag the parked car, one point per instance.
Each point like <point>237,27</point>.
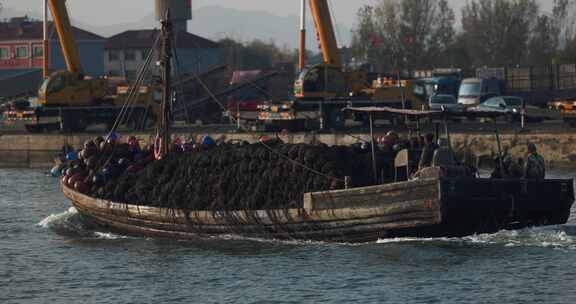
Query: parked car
<point>511,106</point>
<point>443,102</point>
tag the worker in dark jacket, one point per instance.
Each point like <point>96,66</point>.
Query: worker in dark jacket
<point>428,152</point>
<point>535,167</point>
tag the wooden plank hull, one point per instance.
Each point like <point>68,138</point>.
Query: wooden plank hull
<point>424,208</point>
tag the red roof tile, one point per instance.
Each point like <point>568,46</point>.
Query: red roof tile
<point>24,29</point>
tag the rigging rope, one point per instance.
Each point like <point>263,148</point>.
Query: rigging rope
<point>134,91</point>
<point>213,97</point>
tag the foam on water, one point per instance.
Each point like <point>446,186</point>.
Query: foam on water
<point>69,223</point>
<point>545,237</point>
<point>59,218</point>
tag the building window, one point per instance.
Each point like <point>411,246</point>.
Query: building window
<point>22,52</point>
<point>113,55</point>
<point>38,52</point>
<point>4,53</point>
<point>130,55</point>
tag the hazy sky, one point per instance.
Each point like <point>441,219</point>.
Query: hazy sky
<point>105,12</point>
<point>100,12</point>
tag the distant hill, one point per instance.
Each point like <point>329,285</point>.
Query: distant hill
<point>216,22</point>
<point>219,22</point>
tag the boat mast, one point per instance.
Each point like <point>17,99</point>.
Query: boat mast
<point>302,52</point>
<point>163,136</point>
<point>45,46</point>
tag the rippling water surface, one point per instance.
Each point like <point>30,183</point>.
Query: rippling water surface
<point>48,256</point>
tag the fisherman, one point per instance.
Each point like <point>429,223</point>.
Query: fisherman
<point>177,144</point>
<point>516,168</point>
<point>443,155</point>
<point>510,168</point>
<point>391,139</point>
<point>535,167</point>
<point>388,142</point>
<point>428,152</point>
<point>133,145</point>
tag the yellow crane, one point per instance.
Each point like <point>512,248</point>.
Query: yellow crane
<point>326,79</point>
<point>69,87</point>
<point>70,101</point>
<point>321,91</point>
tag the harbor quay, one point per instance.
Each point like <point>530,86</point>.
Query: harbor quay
<point>558,147</point>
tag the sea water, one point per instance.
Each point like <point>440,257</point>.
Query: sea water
<point>47,255</point>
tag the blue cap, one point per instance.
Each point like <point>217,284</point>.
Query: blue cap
<point>72,155</point>
<point>113,136</point>
<point>207,141</point>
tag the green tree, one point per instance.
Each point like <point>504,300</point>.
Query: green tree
<point>564,16</point>
<point>543,44</point>
<point>404,34</point>
<point>253,55</point>
<point>367,38</point>
<point>497,32</point>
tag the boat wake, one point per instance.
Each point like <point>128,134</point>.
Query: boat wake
<point>70,224</point>
<point>544,237</point>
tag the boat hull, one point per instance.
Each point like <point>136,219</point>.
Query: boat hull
<point>423,208</point>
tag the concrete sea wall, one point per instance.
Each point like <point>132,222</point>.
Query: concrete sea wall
<point>38,151</point>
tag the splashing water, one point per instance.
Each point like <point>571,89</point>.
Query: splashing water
<point>545,237</point>
<point>69,223</point>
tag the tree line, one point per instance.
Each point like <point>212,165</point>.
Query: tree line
<point>420,34</point>
<point>255,54</point>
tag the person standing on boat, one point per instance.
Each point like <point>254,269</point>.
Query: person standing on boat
<point>535,167</point>
<point>427,155</point>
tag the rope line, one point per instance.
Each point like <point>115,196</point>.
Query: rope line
<point>134,91</point>
<point>213,97</point>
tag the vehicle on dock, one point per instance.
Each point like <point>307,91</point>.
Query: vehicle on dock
<point>566,108</point>
<point>70,101</point>
<point>245,104</point>
<point>537,85</point>
<point>441,81</point>
<point>475,91</point>
<point>445,103</point>
<point>321,91</point>
<point>512,107</point>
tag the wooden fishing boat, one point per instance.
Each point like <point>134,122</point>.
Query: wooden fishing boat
<point>436,204</point>
<point>435,207</point>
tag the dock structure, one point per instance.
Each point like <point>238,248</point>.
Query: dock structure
<point>38,150</point>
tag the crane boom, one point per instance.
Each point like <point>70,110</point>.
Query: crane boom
<point>65,35</point>
<point>325,31</point>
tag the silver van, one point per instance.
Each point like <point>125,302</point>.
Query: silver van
<point>474,91</point>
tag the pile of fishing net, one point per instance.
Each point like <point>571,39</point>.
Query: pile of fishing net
<point>234,177</point>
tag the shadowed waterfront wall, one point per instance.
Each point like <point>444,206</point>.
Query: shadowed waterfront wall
<point>38,151</point>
